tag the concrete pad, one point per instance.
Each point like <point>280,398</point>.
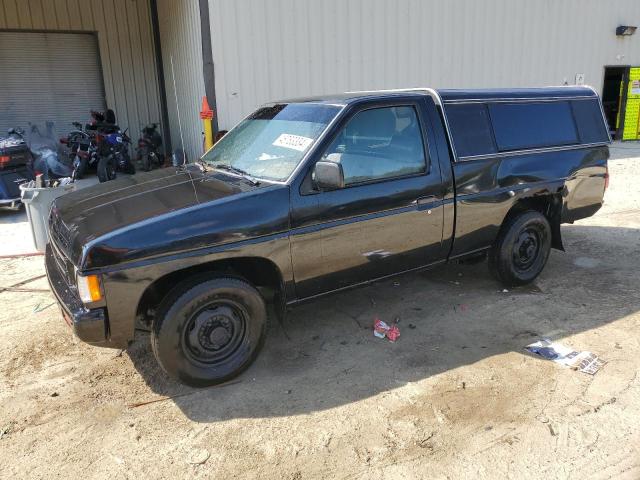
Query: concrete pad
<point>16,237</point>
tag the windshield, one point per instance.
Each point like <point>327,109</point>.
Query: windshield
<point>271,142</point>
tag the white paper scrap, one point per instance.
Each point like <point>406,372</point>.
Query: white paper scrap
<point>295,142</point>
<point>585,362</point>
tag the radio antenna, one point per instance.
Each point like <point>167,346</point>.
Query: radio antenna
<point>175,93</point>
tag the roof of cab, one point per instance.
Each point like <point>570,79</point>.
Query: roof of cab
<point>453,95</point>
<point>350,97</point>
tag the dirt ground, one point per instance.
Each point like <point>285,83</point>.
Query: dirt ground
<point>455,397</point>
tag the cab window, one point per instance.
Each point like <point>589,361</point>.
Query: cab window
<point>379,143</point>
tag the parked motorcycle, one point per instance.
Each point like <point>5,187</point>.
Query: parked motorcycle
<point>82,150</point>
<point>114,156</point>
<point>112,146</point>
<point>149,155</point>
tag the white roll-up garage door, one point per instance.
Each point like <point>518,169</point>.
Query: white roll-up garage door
<point>48,80</point>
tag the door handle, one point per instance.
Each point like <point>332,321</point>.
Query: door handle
<point>427,200</point>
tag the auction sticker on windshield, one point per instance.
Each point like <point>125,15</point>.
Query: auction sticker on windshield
<point>295,142</point>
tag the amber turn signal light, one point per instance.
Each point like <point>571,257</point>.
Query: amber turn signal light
<point>89,288</point>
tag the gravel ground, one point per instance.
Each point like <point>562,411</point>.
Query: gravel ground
<point>455,397</point>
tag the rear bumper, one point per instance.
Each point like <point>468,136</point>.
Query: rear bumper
<point>10,202</point>
<point>89,325</point>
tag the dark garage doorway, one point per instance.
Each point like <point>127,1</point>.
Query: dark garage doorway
<point>614,98</point>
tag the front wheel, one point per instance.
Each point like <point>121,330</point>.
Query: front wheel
<point>80,168</point>
<point>521,249</point>
<point>106,168</point>
<point>208,330</point>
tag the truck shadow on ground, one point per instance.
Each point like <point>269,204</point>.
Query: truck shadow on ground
<point>325,354</point>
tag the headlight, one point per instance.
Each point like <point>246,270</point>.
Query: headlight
<point>89,288</point>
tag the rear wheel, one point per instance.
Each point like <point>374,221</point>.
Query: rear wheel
<point>521,249</point>
<point>106,168</point>
<point>145,160</point>
<point>208,330</point>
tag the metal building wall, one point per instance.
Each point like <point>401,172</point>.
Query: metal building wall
<point>285,48</point>
<point>181,42</point>
<point>126,48</point>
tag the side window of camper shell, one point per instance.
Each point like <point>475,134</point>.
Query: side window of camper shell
<point>484,129</point>
<point>590,121</point>
<point>470,126</point>
<point>525,125</point>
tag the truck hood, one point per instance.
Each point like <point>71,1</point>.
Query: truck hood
<point>81,217</point>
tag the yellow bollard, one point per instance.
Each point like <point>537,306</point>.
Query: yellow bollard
<point>208,133</point>
<point>206,114</point>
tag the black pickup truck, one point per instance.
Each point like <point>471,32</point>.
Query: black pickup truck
<point>316,195</point>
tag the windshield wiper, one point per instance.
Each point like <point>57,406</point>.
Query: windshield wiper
<point>202,164</point>
<point>237,171</point>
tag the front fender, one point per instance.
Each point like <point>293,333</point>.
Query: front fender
<point>125,287</point>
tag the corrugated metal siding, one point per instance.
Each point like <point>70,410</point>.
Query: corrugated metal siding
<point>180,39</point>
<point>285,48</point>
<point>126,48</point>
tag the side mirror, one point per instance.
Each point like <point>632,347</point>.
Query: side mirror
<point>328,175</point>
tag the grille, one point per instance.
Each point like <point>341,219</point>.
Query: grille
<point>59,231</point>
<point>65,267</point>
<point>61,242</point>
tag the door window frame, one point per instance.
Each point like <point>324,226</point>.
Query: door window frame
<point>306,186</point>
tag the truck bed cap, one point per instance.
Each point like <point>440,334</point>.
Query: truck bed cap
<point>456,95</point>
<point>461,95</point>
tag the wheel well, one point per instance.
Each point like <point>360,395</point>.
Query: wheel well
<point>548,205</point>
<point>260,272</point>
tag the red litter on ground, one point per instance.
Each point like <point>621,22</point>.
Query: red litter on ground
<point>382,329</point>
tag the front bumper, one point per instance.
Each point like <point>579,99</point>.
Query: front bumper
<point>89,325</point>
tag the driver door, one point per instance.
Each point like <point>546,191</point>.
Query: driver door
<point>388,218</point>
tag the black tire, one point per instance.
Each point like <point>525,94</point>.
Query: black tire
<point>127,164</point>
<point>106,168</point>
<point>145,160</point>
<point>129,168</point>
<point>208,330</point>
<point>159,160</point>
<point>521,249</point>
<point>80,171</point>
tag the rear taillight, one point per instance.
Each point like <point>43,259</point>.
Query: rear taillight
<point>64,141</point>
<point>4,159</point>
<point>606,178</point>
<point>82,154</point>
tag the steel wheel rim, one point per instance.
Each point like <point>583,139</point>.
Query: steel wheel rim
<point>527,248</point>
<point>214,333</point>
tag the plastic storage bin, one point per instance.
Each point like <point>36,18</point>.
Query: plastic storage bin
<point>37,202</point>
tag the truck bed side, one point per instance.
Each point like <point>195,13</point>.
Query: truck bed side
<point>494,175</point>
